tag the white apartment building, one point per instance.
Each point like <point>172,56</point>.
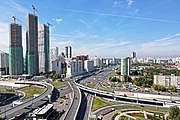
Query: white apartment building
<point>74,67</point>
<point>53,56</point>
<point>98,62</point>
<point>167,80</point>
<point>89,65</point>
<point>56,66</point>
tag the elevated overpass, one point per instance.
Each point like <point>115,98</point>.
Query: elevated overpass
<point>47,93</point>
<point>123,98</point>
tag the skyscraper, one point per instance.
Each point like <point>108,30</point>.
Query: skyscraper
<point>32,62</point>
<point>125,66</point>
<point>53,56</point>
<point>68,51</point>
<point>43,47</point>
<point>133,55</point>
<point>15,50</point>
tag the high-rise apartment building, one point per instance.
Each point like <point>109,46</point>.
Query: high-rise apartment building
<point>43,48</point>
<point>98,62</point>
<point>15,50</point>
<point>125,66</point>
<point>68,51</point>
<point>53,57</point>
<point>32,59</point>
<point>4,64</point>
<point>133,55</point>
<point>82,58</point>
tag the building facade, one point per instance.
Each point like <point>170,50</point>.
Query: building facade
<point>43,48</point>
<point>133,55</point>
<point>98,62</point>
<point>68,51</point>
<point>53,56</point>
<point>57,67</point>
<point>82,58</point>
<point>125,66</point>
<point>4,64</point>
<point>167,80</point>
<point>89,65</point>
<point>74,67</point>
<point>15,50</point>
<point>32,59</point>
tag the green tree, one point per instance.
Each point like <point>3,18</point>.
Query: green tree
<point>57,76</point>
<point>174,113</point>
<point>173,89</point>
<point>159,88</point>
<point>51,75</point>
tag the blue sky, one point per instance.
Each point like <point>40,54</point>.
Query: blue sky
<point>106,28</point>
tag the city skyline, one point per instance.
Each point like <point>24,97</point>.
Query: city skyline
<point>102,28</point>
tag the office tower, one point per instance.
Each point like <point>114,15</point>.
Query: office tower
<point>15,50</point>
<point>43,48</point>
<point>32,62</point>
<point>4,64</point>
<point>53,57</point>
<point>68,51</point>
<point>133,55</point>
<point>125,66</point>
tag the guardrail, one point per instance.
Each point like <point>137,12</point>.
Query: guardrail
<point>71,102</point>
<point>74,117</point>
<point>29,102</point>
<point>123,98</point>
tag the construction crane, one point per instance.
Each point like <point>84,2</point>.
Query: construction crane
<point>34,9</point>
<point>15,19</point>
<point>49,24</point>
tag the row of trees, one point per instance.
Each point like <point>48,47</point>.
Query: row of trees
<point>114,79</point>
<point>163,88</point>
<point>143,82</point>
<point>54,76</point>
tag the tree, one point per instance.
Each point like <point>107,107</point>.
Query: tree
<point>57,76</point>
<point>174,113</point>
<point>173,89</point>
<point>159,87</point>
<point>51,75</point>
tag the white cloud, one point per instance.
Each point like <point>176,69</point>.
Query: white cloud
<point>163,47</point>
<point>58,20</point>
<point>118,4</point>
<point>130,3</point>
<point>121,16</point>
<point>4,37</point>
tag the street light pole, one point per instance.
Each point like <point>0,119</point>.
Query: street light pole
<point>137,97</point>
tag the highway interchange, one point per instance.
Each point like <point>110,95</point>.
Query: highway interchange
<point>19,109</point>
<point>82,97</point>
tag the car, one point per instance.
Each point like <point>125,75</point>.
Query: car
<point>155,99</point>
<point>173,101</point>
<point>141,105</point>
<point>125,95</point>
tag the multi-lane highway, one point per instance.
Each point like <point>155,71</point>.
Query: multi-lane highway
<point>87,98</point>
<point>18,109</point>
<point>73,110</point>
